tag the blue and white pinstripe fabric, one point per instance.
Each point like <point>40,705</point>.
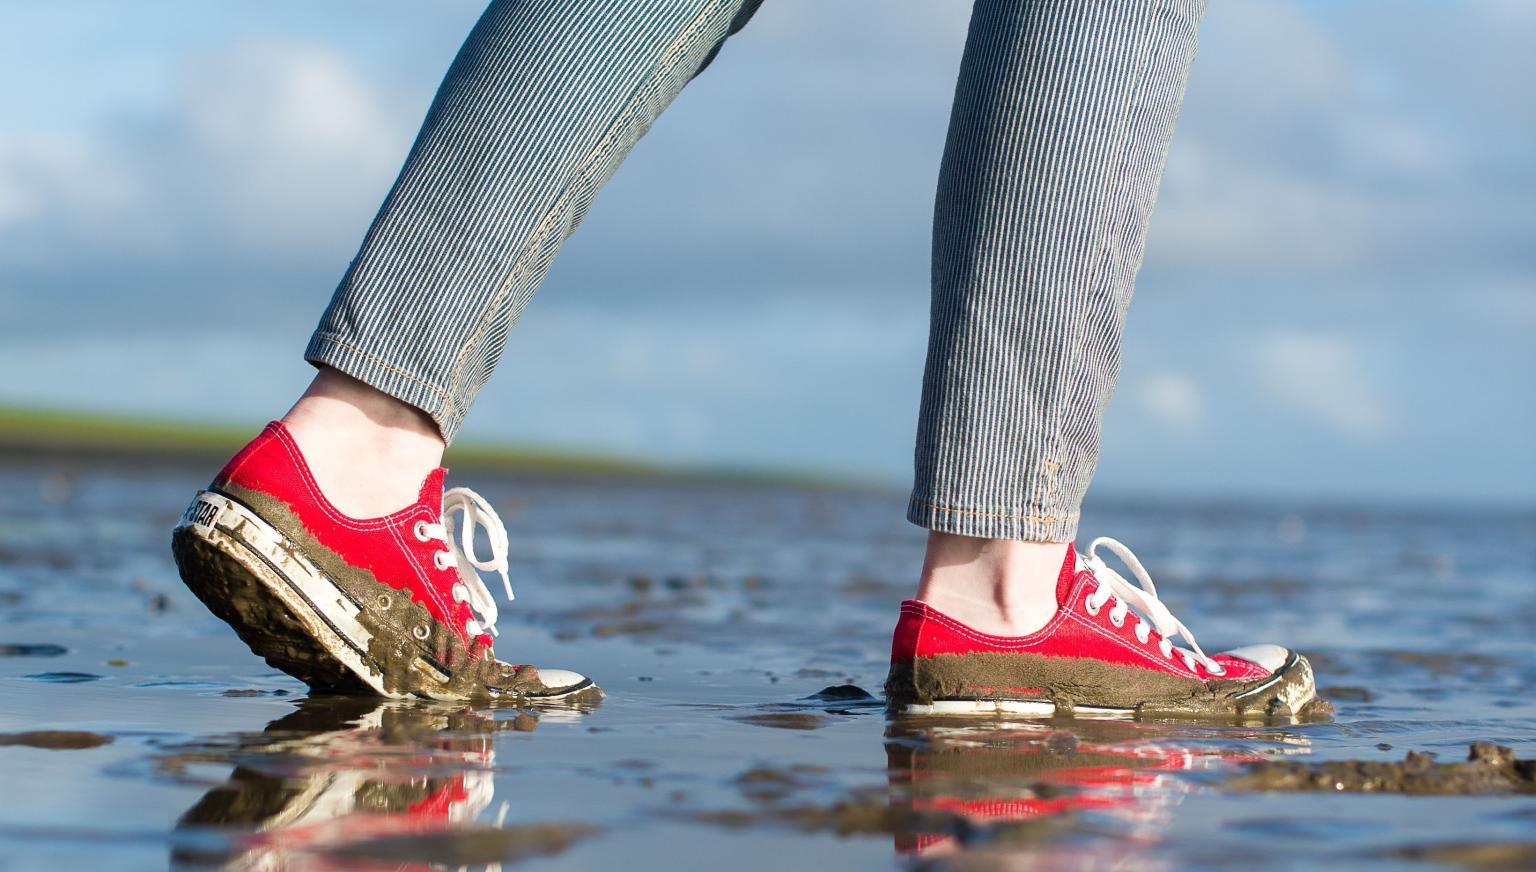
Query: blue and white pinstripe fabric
<point>1062,117</point>
<point>540,106</point>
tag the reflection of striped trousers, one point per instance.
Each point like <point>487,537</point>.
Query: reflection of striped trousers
<point>1062,117</point>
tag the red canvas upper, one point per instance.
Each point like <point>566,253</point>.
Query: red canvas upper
<point>924,631</point>
<point>387,546</point>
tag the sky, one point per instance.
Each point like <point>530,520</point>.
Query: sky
<point>1338,300</point>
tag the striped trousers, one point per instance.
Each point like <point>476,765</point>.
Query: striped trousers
<point>1062,117</point>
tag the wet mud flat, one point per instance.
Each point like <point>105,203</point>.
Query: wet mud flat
<point>741,633</point>
<point>1488,770</point>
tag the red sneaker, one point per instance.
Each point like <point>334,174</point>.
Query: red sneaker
<point>1089,659</point>
<point>390,605</point>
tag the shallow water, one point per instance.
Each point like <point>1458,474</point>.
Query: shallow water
<point>138,732</point>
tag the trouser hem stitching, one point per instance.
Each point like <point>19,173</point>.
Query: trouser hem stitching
<point>331,339</point>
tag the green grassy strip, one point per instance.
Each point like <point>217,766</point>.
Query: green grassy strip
<point>61,433</point>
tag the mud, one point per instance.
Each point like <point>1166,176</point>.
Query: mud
<point>1491,856</point>
<point>1032,677</point>
<point>33,650</point>
<point>785,720</point>
<point>867,815</point>
<point>467,847</point>
<point>396,624</point>
<point>1347,694</point>
<point>1442,663</point>
<point>1488,769</point>
<point>839,694</point>
<point>55,740</point>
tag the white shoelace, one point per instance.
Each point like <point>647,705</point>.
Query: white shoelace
<point>477,514</point>
<point>1144,599</point>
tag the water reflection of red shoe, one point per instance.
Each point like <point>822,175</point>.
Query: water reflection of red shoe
<point>984,783</point>
<point>319,786</point>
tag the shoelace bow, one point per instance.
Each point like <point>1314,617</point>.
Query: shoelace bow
<point>1143,598</point>
<point>476,514</point>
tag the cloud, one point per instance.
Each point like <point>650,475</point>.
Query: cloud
<point>1310,142</point>
<point>1324,378</point>
<point>42,176</point>
<point>270,149</point>
<point>1174,400</point>
<point>287,140</point>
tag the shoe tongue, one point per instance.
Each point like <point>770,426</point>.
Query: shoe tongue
<point>1068,573</point>
<point>431,494</point>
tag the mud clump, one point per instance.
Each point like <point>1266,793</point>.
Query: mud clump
<point>1499,856</point>
<point>469,847</point>
<point>42,650</point>
<point>1488,769</point>
<point>1348,694</point>
<point>1446,663</point>
<point>55,740</point>
<point>839,693</point>
<point>785,720</point>
<point>766,784</point>
<point>627,628</point>
<point>867,816</point>
<point>1314,711</point>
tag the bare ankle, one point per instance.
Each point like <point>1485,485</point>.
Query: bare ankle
<point>368,451</point>
<point>1003,587</point>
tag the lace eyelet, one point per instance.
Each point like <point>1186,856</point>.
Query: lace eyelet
<point>1089,607</point>
<point>421,632</point>
<point>460,593</point>
<point>421,531</point>
<point>1119,623</point>
<point>383,601</point>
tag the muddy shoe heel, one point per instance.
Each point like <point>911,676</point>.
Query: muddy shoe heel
<point>389,606</point>
<point>253,579</point>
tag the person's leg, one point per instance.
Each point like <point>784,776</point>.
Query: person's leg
<point>1062,117</point>
<point>543,102</point>
<point>1061,124</point>
<point>330,542</point>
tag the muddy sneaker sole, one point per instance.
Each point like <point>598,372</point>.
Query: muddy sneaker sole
<point>1289,693</point>
<point>300,620</point>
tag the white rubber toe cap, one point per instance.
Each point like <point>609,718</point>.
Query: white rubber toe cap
<point>562,679</point>
<point>1271,657</point>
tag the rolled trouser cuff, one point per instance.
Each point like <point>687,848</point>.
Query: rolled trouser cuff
<point>350,357</point>
<point>1029,524</point>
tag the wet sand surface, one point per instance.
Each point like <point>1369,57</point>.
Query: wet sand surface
<point>740,632</point>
